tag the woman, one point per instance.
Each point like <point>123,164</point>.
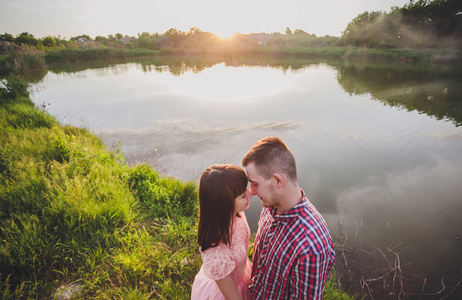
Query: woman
<point>223,235</point>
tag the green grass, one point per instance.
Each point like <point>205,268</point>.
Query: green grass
<point>72,212</point>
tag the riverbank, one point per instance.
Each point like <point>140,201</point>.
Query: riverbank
<point>75,216</point>
<point>26,61</point>
<point>21,62</point>
<point>443,56</point>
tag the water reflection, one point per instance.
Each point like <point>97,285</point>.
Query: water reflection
<point>415,209</point>
<point>171,144</point>
<point>366,149</point>
<point>433,90</point>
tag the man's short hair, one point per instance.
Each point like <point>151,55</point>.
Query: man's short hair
<point>271,155</point>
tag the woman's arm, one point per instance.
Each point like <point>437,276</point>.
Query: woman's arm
<point>228,288</point>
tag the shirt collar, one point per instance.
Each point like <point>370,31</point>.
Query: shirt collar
<point>291,213</point>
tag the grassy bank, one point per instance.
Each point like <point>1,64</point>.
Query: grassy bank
<point>74,216</point>
<point>72,212</point>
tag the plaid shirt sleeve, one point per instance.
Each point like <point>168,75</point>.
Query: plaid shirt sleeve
<point>307,279</point>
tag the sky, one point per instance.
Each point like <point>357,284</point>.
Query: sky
<point>69,18</point>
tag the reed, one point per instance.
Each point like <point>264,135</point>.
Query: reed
<point>22,61</point>
<point>75,55</point>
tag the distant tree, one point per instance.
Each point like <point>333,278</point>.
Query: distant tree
<point>145,40</point>
<point>299,31</point>
<point>444,17</point>
<point>144,34</point>
<point>49,41</point>
<point>329,40</point>
<point>174,38</point>
<point>101,39</point>
<point>26,39</point>
<point>277,39</point>
<point>7,37</point>
<point>193,31</point>
<point>172,32</point>
<point>359,32</point>
<point>83,36</point>
<point>422,23</point>
<point>118,36</point>
<point>288,31</point>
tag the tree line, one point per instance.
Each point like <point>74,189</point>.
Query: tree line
<point>418,24</point>
<point>194,40</point>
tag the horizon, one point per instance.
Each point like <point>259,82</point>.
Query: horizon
<point>104,17</point>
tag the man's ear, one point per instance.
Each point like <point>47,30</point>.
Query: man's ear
<point>279,179</point>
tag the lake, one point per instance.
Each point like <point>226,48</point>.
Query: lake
<point>378,147</point>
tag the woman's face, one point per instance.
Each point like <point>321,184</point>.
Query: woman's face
<point>241,203</point>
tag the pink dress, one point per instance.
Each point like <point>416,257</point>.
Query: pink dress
<point>218,262</point>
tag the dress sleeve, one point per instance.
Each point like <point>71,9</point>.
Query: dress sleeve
<point>218,262</point>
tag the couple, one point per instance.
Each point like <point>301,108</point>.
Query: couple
<point>293,251</point>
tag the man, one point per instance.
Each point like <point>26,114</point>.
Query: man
<point>293,251</point>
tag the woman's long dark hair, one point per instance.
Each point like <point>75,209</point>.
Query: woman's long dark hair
<point>218,187</point>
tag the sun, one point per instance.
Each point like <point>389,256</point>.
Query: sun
<point>224,33</point>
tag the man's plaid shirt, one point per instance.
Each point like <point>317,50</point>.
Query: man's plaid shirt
<point>292,255</point>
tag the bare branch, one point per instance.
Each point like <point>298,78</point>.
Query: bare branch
<point>364,283</point>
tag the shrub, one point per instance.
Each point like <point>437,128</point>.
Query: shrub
<point>165,197</point>
<point>26,39</point>
<point>14,87</point>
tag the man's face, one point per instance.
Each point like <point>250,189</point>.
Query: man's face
<point>264,189</point>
